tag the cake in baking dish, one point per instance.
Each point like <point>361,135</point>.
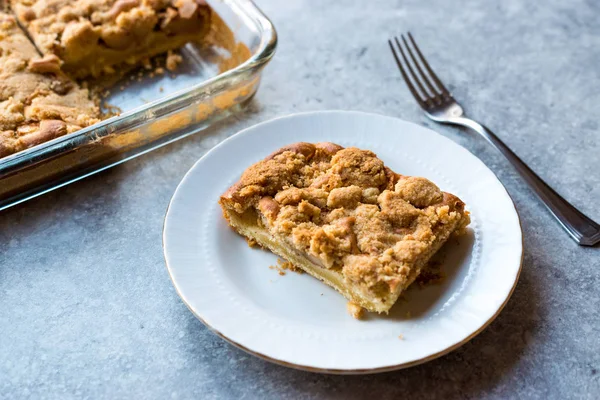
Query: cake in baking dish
<point>94,37</point>
<point>38,102</point>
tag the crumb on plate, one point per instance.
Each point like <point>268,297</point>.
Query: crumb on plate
<point>282,265</point>
<point>286,265</point>
<point>355,310</point>
<point>430,277</point>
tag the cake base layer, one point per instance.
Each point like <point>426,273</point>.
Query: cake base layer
<point>248,225</point>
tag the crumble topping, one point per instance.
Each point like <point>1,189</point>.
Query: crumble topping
<point>37,101</point>
<point>344,209</point>
<point>96,37</point>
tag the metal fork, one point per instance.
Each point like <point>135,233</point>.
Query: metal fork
<point>440,106</point>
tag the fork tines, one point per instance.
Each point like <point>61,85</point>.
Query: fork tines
<point>430,88</point>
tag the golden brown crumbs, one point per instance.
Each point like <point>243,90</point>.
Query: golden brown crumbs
<point>161,89</point>
<point>356,311</point>
<point>252,243</point>
<point>431,274</point>
<point>111,110</point>
<point>278,268</point>
<point>147,64</point>
<point>159,70</point>
<point>401,337</point>
<point>173,60</point>
<point>286,265</point>
<point>427,278</point>
<point>283,265</point>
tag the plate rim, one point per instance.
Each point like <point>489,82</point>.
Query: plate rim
<point>335,371</point>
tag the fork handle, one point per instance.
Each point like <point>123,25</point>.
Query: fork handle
<point>581,228</point>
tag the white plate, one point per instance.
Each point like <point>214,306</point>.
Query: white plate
<point>296,320</point>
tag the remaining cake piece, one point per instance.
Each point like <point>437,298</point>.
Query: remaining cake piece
<point>343,217</point>
<point>93,37</point>
<point>37,101</point>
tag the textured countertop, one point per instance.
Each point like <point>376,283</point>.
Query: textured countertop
<point>86,305</point>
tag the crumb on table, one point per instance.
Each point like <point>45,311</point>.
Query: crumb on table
<point>401,337</point>
<point>355,310</point>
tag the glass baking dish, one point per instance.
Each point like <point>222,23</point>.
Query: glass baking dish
<point>213,81</point>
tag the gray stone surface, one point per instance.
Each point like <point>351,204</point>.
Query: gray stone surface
<point>86,305</point>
